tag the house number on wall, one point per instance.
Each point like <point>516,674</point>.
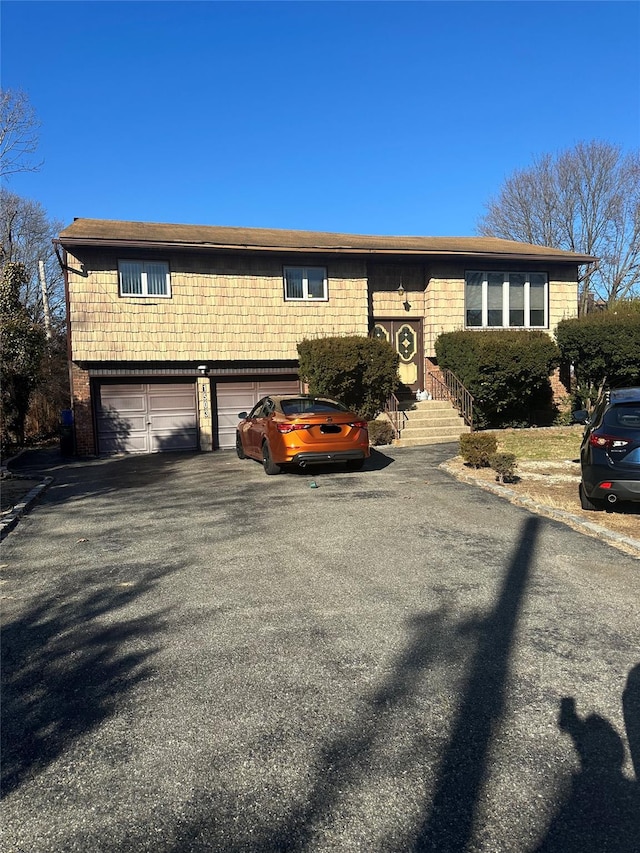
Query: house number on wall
<point>205,402</point>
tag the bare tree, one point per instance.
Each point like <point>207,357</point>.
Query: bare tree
<point>26,235</point>
<point>585,199</point>
<point>18,133</point>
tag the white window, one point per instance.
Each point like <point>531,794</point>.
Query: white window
<point>506,300</point>
<point>144,278</point>
<point>305,283</point>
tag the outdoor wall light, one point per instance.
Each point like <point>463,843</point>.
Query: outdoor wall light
<point>203,369</point>
<point>401,290</point>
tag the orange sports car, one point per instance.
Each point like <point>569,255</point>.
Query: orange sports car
<point>301,430</point>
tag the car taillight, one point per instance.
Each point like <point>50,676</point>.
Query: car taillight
<point>609,442</point>
<point>291,427</point>
<point>359,424</point>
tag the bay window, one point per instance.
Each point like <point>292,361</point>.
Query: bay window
<point>497,300</point>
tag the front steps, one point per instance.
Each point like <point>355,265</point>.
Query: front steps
<point>431,422</point>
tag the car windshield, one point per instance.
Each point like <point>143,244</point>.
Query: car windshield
<point>626,415</point>
<point>310,406</point>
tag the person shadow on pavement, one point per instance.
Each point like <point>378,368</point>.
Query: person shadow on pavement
<point>602,811</point>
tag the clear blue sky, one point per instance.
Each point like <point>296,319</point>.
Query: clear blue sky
<point>379,118</point>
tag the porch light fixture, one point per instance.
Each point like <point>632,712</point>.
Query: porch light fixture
<point>401,290</point>
<point>203,369</point>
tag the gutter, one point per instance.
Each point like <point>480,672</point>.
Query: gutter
<point>323,250</point>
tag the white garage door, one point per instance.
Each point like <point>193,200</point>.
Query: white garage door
<point>235,397</point>
<point>147,418</point>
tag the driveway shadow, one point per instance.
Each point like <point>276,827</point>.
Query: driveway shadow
<point>602,810</point>
<point>66,665</point>
<point>346,760</point>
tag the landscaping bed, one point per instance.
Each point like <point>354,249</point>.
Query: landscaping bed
<point>548,473</point>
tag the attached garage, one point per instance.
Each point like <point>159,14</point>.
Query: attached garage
<point>146,417</point>
<point>235,397</point>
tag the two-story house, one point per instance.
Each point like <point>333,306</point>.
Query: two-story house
<point>174,329</point>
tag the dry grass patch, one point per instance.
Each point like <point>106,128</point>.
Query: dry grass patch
<point>548,473</point>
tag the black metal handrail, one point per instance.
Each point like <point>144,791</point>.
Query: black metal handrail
<point>445,385</point>
<point>395,414</point>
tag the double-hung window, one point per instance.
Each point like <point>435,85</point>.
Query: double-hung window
<point>305,283</point>
<point>144,278</point>
<point>506,300</point>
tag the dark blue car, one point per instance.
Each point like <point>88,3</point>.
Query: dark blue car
<point>610,449</point>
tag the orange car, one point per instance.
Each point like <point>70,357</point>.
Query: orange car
<point>302,430</point>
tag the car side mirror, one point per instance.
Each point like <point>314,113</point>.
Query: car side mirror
<point>242,416</point>
<point>581,416</point>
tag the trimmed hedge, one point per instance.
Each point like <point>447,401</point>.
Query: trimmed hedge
<point>477,448</point>
<point>381,432</point>
<point>604,348</point>
<point>359,371</point>
<point>507,372</point>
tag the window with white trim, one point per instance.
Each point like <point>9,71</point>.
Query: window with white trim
<point>506,300</point>
<point>302,283</point>
<point>144,278</point>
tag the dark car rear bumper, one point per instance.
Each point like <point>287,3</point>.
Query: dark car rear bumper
<point>624,490</point>
<point>315,458</point>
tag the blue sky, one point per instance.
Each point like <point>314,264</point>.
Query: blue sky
<point>372,118</point>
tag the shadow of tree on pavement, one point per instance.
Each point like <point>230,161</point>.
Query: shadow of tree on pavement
<point>66,664</point>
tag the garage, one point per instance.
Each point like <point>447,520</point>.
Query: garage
<point>146,417</point>
<point>235,397</point>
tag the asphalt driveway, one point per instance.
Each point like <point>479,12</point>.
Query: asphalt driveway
<point>197,657</point>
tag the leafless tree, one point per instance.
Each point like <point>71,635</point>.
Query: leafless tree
<point>585,199</point>
<point>26,233</point>
<point>18,133</point>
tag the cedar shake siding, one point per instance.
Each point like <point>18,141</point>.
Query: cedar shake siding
<point>223,306</point>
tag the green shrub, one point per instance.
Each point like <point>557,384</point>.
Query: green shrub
<point>381,432</point>
<point>507,372</point>
<point>504,464</point>
<point>361,372</point>
<point>603,348</point>
<point>477,447</point>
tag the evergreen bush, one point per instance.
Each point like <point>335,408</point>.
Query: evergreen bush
<point>381,432</point>
<point>476,448</point>
<point>603,348</point>
<point>507,372</point>
<point>359,371</point>
<point>504,464</point>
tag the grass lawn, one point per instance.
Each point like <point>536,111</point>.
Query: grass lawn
<point>550,444</point>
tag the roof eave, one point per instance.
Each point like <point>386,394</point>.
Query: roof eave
<point>325,250</point>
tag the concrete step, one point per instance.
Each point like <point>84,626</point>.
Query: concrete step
<point>426,405</point>
<point>446,438</point>
<point>440,418</point>
<point>431,422</point>
<point>429,429</point>
<point>427,435</point>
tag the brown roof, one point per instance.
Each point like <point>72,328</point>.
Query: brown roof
<point>85,232</point>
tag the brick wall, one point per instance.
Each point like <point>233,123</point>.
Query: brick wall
<point>82,414</point>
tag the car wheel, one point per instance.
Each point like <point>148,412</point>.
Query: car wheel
<point>239,447</point>
<point>587,503</point>
<point>355,464</point>
<point>269,465</point>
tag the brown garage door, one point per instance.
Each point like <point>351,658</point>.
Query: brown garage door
<point>235,397</point>
<point>147,418</point>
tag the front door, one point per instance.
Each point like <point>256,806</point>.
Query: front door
<point>406,338</point>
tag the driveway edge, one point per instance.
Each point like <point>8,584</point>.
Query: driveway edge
<point>587,527</point>
<point>11,519</point>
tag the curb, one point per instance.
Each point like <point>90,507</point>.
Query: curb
<point>587,527</point>
<point>9,522</point>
